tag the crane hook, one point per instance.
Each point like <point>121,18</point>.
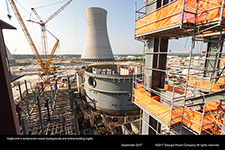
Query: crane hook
<point>7,6</point>
<point>9,16</point>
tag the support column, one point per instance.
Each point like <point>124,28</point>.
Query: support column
<point>213,52</point>
<point>40,116</point>
<point>24,126</point>
<point>154,79</point>
<point>25,82</point>
<point>154,124</point>
<point>78,77</point>
<point>19,87</point>
<point>68,81</point>
<point>145,123</point>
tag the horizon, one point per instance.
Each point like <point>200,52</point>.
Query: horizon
<point>70,25</point>
<point>70,28</point>
<point>72,54</point>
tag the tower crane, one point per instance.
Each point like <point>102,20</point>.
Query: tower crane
<point>45,67</point>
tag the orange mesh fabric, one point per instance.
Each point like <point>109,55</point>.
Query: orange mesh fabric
<point>172,14</point>
<point>144,98</point>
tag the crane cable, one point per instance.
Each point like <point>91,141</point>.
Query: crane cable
<point>43,6</point>
<point>30,15</point>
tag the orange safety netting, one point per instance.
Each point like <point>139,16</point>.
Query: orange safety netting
<point>144,98</point>
<point>193,120</point>
<point>176,90</point>
<point>206,85</point>
<point>172,14</point>
<point>210,5</point>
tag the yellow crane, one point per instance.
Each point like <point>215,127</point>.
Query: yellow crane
<point>45,67</point>
<point>27,34</point>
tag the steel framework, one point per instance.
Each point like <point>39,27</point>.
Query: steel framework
<point>196,104</point>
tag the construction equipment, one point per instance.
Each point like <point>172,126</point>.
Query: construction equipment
<point>44,34</point>
<point>27,34</point>
<point>45,67</point>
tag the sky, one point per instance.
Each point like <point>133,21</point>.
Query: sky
<point>70,26</point>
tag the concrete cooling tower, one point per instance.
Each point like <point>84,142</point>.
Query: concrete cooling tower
<point>97,46</point>
<point>11,60</point>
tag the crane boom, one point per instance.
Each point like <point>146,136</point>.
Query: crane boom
<point>52,54</point>
<point>27,34</point>
<point>36,14</point>
<point>58,11</point>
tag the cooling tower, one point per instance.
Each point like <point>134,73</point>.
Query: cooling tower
<point>11,60</point>
<point>96,45</point>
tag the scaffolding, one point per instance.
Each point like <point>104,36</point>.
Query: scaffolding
<point>180,18</point>
<point>191,102</point>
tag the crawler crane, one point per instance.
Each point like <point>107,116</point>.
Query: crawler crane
<point>45,66</point>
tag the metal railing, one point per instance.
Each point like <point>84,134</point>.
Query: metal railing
<point>199,26</point>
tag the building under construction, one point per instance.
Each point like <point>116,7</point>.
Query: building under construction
<point>196,104</point>
<point>170,101</point>
<point>54,103</point>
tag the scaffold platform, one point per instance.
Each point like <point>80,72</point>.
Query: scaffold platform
<point>180,18</point>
